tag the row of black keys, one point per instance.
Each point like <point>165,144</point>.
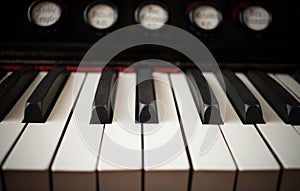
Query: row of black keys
<point>42,100</point>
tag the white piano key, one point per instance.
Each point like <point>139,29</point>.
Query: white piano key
<point>74,166</point>
<point>4,77</point>
<point>28,163</point>
<point>289,83</point>
<point>209,154</point>
<point>120,162</point>
<point>165,159</point>
<point>292,86</point>
<point>297,127</point>
<point>12,125</point>
<point>258,169</point>
<point>283,140</point>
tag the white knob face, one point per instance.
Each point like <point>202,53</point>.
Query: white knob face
<point>153,16</point>
<point>207,17</point>
<point>45,13</point>
<point>256,18</point>
<point>102,16</point>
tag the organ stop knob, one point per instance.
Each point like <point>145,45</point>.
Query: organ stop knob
<point>252,17</point>
<point>205,18</point>
<point>152,16</point>
<point>44,13</point>
<point>101,16</point>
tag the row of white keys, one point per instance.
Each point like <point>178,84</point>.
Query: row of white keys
<point>282,139</point>
<point>12,125</point>
<point>292,86</point>
<point>213,166</point>
<point>165,160</point>
<point>74,166</point>
<point>28,163</point>
<point>257,168</point>
<point>120,162</point>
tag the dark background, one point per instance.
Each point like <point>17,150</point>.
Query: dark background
<point>277,48</point>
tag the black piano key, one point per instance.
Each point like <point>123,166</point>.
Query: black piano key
<point>283,103</point>
<point>205,100</point>
<point>297,76</point>
<point>102,111</point>
<point>13,87</point>
<point>41,101</point>
<point>146,108</point>
<point>2,73</point>
<point>243,101</point>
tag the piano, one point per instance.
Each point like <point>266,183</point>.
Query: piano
<point>162,95</point>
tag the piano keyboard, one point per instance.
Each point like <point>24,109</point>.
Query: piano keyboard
<point>75,133</point>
